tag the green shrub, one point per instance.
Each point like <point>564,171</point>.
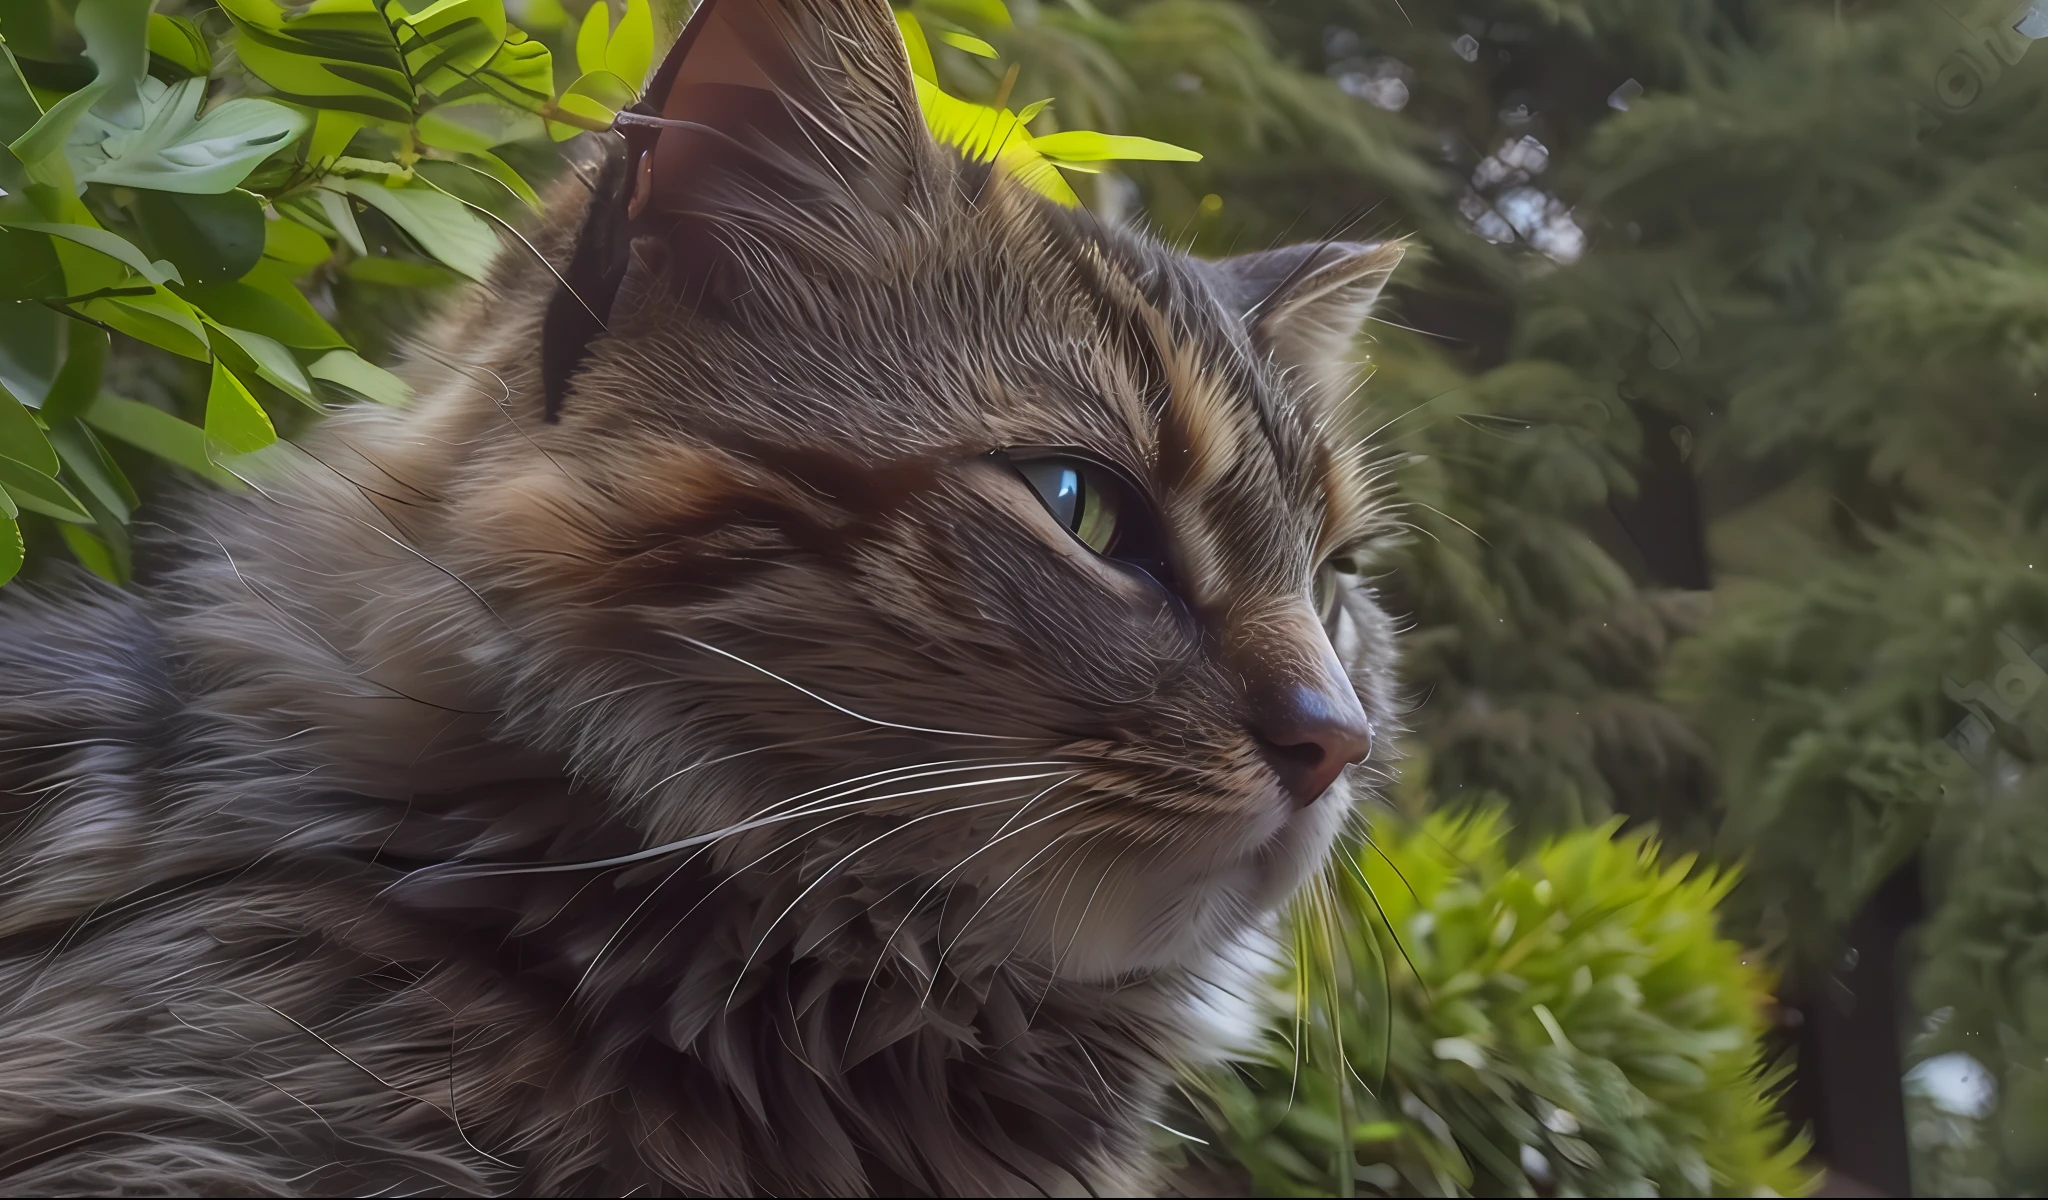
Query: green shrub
<point>1570,1023</point>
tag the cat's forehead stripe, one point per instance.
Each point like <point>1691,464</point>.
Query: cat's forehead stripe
<point>1246,476</point>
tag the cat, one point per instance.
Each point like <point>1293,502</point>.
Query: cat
<point>824,691</point>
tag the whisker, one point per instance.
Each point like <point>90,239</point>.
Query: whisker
<point>1053,975</point>
<point>973,916</point>
<point>754,823</point>
<point>836,707</point>
<point>457,868</point>
<point>926,894</point>
<point>844,859</point>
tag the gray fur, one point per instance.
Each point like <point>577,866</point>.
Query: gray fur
<point>415,827</point>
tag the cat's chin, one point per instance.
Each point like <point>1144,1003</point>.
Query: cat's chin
<point>1182,914</point>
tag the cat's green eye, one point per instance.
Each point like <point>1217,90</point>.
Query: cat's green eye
<point>1099,506</point>
<point>1085,499</point>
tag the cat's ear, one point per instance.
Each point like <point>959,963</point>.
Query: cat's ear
<point>776,87</point>
<point>1306,303</point>
<point>760,105</point>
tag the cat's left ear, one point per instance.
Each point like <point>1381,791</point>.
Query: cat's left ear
<point>762,107</point>
<point>1305,304</point>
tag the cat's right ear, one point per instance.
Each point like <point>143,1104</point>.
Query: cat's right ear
<point>759,102</point>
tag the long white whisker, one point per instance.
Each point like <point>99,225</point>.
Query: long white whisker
<point>844,859</point>
<point>1052,977</point>
<point>701,839</point>
<point>946,949</point>
<point>940,961</point>
<point>1073,860</point>
<point>918,903</point>
<point>889,775</point>
<point>672,776</point>
<point>772,851</point>
<point>837,707</point>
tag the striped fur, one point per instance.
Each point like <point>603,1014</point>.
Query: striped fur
<point>738,785</point>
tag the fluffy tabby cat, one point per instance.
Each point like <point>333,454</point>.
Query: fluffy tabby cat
<point>829,702</point>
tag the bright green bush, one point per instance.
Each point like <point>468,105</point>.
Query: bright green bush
<point>1568,1023</point>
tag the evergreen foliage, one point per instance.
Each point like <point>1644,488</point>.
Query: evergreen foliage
<point>1568,1022</point>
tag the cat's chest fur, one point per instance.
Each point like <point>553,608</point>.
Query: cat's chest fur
<point>224,972</point>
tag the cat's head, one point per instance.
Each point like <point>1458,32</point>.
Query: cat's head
<point>936,540</point>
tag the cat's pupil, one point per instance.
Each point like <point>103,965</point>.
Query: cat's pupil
<point>1060,487</point>
<point>1077,497</point>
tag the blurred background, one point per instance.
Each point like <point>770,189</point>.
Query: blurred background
<point>1710,389</point>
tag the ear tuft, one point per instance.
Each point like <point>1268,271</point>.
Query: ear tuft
<point>1305,304</point>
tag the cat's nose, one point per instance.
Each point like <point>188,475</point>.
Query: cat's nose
<point>1309,735</point>
<point>1305,713</point>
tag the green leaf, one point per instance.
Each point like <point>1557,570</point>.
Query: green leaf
<point>478,125</point>
<point>22,438</point>
<point>116,36</point>
<point>598,96</point>
<point>1081,145</point>
<point>968,42</point>
<point>983,133</point>
<point>521,74</point>
<point>161,319</point>
<point>77,383</point>
<point>265,301</point>
<point>400,272</point>
<point>545,15</point>
<point>116,40</point>
<point>444,129</point>
<point>630,53</point>
<point>993,13</point>
<point>920,50</point>
<point>32,267</point>
<point>334,206</point>
<point>296,247</point>
<point>178,41</point>
<point>448,42</point>
<point>592,36</point>
<point>272,362</point>
<point>338,54</point>
<point>111,245</point>
<point>442,225</point>
<point>10,549</point>
<point>348,369</point>
<point>209,237</point>
<point>333,130</point>
<point>18,108</point>
<point>93,467</point>
<point>37,492</point>
<point>486,163</point>
<point>159,433</point>
<point>31,348</point>
<point>163,144</point>
<point>234,421</point>
<point>94,555</point>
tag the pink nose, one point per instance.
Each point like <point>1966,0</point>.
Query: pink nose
<point>1310,732</point>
